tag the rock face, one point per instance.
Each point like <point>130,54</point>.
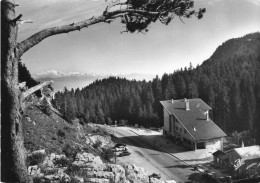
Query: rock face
<point>34,170</point>
<point>88,168</point>
<point>84,160</point>
<point>118,172</point>
<point>136,174</point>
<point>96,171</point>
<point>58,177</point>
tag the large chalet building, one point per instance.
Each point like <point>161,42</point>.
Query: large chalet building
<point>188,121</point>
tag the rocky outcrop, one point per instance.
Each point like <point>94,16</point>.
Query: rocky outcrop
<point>58,177</point>
<point>88,161</point>
<point>96,171</point>
<point>118,172</point>
<point>34,170</point>
<point>136,174</point>
<point>49,161</point>
<point>88,168</point>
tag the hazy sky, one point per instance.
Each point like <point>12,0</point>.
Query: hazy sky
<point>102,49</point>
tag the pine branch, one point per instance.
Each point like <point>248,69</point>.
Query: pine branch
<point>25,45</point>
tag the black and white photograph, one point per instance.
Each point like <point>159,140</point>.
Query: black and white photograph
<point>130,91</point>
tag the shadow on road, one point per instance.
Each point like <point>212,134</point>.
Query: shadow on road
<point>178,166</point>
<point>199,160</point>
<point>140,142</point>
<point>198,177</point>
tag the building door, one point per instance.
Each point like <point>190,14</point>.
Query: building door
<point>201,145</point>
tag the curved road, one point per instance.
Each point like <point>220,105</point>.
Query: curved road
<point>153,159</point>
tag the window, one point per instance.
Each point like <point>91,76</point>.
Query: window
<point>176,128</point>
<point>185,132</point>
<point>170,123</point>
<point>175,119</point>
<point>184,140</point>
<point>181,130</point>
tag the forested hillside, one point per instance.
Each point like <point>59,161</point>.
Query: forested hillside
<point>229,82</point>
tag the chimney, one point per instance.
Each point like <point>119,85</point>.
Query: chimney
<point>172,101</point>
<point>242,145</point>
<point>187,104</point>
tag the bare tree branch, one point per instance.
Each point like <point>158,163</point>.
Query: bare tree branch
<point>25,45</point>
<point>34,89</point>
<point>23,22</point>
<point>17,18</point>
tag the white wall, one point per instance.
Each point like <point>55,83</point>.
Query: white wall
<point>166,120</point>
<point>213,145</point>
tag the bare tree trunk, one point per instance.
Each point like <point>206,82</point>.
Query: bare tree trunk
<point>13,152</point>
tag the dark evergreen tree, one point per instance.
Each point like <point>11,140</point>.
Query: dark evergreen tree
<point>248,101</point>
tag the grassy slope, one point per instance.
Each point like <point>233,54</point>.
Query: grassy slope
<point>42,132</point>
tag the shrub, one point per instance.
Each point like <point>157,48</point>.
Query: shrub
<point>35,159</point>
<point>49,171</point>
<point>72,170</point>
<point>45,107</point>
<point>81,121</point>
<point>62,162</point>
<point>39,180</point>
<point>70,151</point>
<point>97,144</point>
<point>66,128</point>
<point>122,122</point>
<point>108,121</point>
<point>107,154</point>
<point>60,133</point>
<point>80,172</point>
<point>74,180</point>
<point>85,148</point>
<point>96,131</point>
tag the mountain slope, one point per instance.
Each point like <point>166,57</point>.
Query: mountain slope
<point>238,47</point>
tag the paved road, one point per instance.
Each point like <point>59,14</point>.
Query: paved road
<point>153,159</point>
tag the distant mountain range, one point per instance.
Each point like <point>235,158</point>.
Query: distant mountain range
<point>80,80</point>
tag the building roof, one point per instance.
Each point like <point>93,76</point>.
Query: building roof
<point>194,120</point>
<point>218,153</point>
<point>250,152</point>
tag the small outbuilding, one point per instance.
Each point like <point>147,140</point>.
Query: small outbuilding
<point>220,158</point>
<point>244,161</point>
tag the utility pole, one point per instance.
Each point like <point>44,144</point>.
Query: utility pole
<point>115,148</point>
<point>115,155</point>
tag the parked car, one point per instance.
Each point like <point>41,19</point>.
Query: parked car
<point>124,153</point>
<point>155,175</point>
<point>120,145</point>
